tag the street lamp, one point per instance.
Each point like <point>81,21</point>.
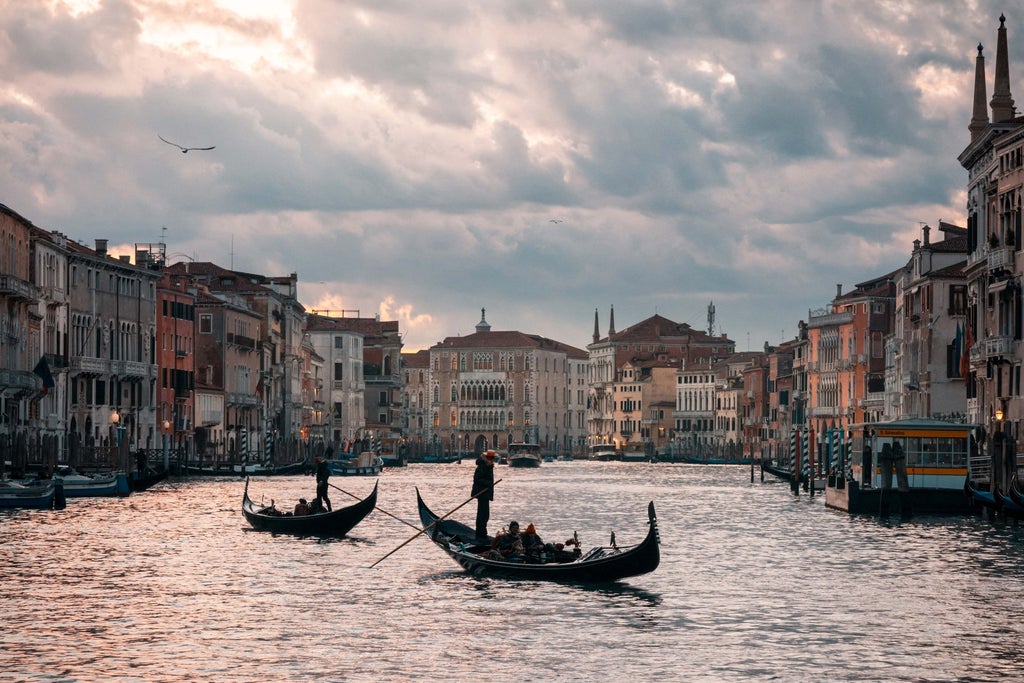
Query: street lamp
<point>167,440</point>
<point>115,420</point>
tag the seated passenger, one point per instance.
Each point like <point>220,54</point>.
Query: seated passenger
<point>508,545</point>
<point>301,508</point>
<point>533,545</point>
<point>316,507</point>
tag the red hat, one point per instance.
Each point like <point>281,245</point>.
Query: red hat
<point>490,454</point>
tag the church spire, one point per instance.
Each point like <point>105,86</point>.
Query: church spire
<point>483,325</point>
<point>597,333</point>
<point>611,322</point>
<point>979,121</point>
<point>1002,102</point>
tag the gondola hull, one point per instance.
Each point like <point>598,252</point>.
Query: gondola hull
<point>599,565</point>
<point>336,523</point>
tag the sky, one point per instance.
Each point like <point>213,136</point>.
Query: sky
<point>422,161</point>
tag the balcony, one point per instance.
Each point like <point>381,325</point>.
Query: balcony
<point>54,295</point>
<point>89,366</point>
<point>240,399</point>
<point>911,380</point>
<point>240,341</point>
<point>1000,258</point>
<point>998,346</point>
<point>18,379</point>
<point>16,288</point>
<point>131,369</point>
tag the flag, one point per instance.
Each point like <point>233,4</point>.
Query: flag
<point>965,358</point>
<point>42,369</point>
<point>259,386</point>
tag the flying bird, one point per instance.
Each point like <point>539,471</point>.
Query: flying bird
<point>554,220</point>
<point>184,150</point>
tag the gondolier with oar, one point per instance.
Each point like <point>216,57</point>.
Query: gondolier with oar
<point>323,474</point>
<point>483,490</point>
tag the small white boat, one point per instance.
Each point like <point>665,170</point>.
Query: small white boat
<point>77,485</point>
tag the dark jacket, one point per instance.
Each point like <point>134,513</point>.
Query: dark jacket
<point>323,472</point>
<point>483,478</point>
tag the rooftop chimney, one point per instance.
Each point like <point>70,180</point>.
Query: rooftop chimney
<point>101,247</point>
<point>839,290</point>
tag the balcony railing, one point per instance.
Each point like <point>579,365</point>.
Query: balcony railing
<point>241,341</point>
<point>998,346</point>
<point>16,288</point>
<point>1001,257</point>
<point>89,366</point>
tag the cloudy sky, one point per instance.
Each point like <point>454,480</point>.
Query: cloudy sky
<point>424,160</point>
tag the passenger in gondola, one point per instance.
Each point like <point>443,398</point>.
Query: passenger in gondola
<point>508,545</point>
<point>316,507</point>
<point>301,508</point>
<point>533,545</point>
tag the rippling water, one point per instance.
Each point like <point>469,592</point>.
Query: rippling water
<point>754,584</point>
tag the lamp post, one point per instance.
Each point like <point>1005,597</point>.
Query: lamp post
<point>118,425</point>
<point>999,456</point>
<point>167,440</point>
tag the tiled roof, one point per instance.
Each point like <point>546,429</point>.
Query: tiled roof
<point>658,327</point>
<point>364,326</point>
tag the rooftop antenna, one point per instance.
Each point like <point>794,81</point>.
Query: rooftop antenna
<point>232,252</point>
<point>711,319</point>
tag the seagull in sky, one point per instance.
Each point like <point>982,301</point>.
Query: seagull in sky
<point>184,150</point>
<point>554,220</point>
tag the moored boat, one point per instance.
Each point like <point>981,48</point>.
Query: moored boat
<point>78,485</point>
<point>335,523</point>
<point>367,464</point>
<point>600,564</point>
<point>37,495</point>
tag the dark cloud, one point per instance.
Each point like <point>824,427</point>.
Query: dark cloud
<point>752,154</point>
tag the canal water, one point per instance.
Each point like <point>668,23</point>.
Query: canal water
<point>754,584</point>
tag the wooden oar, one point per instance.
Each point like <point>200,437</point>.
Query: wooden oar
<point>408,524</point>
<point>432,524</point>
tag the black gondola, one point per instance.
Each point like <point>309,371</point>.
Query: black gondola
<point>1014,491</point>
<point>602,564</point>
<point>336,523</point>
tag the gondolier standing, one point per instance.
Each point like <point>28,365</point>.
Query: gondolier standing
<point>323,474</point>
<point>483,490</point>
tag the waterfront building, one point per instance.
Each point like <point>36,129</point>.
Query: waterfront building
<point>340,346</point>
<point>112,356</point>
<point>492,388</point>
<point>929,335</point>
<point>575,435</point>
<point>654,337</point>
<point>700,413</point>
<point>20,344</point>
<point>641,391</point>
<point>994,160</point>
<point>48,421</point>
<point>381,344</point>
<point>273,299</point>
<point>415,407</point>
<point>312,370</point>
<point>228,387</point>
<point>845,363</point>
<point>176,387</point>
